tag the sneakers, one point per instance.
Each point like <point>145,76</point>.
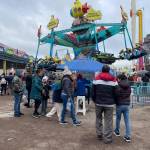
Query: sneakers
<point>17,115</point>
<point>36,115</point>
<point>48,116</point>
<point>99,137</point>
<point>77,123</point>
<point>127,139</point>
<point>63,122</point>
<point>108,142</point>
<point>21,114</point>
<point>116,133</point>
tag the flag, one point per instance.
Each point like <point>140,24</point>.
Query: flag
<point>39,31</point>
<point>131,13</point>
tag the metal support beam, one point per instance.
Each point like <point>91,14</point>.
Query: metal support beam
<point>124,35</point>
<point>129,37</point>
<point>96,38</point>
<point>86,26</point>
<point>104,46</point>
<point>52,43</point>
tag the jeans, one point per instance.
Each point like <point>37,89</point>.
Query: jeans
<point>123,109</point>
<point>17,101</point>
<point>72,109</point>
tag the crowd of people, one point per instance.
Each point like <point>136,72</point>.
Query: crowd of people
<point>106,91</point>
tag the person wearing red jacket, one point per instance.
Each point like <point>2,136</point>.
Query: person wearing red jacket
<point>103,94</point>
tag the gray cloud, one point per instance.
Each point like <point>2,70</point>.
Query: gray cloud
<point>20,19</point>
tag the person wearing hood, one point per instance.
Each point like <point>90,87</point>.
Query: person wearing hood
<point>103,91</point>
<point>123,92</point>
<point>67,84</point>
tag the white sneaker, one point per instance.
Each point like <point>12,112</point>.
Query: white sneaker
<point>48,116</point>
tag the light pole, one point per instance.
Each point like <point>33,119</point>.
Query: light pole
<point>133,24</point>
<point>140,15</point>
<point>133,21</point>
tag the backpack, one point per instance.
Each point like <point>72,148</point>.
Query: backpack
<point>16,85</point>
<point>3,81</point>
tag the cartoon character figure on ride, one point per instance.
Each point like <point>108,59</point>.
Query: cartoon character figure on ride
<point>78,10</point>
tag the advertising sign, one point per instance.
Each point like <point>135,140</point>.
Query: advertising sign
<point>10,51</point>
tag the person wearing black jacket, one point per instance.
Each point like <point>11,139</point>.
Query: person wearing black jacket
<point>103,91</point>
<point>123,92</point>
<point>45,95</point>
<point>28,87</point>
<point>67,94</point>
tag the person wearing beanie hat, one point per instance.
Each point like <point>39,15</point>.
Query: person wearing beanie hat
<point>66,95</point>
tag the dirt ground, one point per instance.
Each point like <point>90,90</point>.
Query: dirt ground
<point>27,133</point>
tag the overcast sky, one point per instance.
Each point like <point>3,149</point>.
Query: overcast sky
<point>20,19</point>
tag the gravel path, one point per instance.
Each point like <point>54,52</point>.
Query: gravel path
<point>27,133</point>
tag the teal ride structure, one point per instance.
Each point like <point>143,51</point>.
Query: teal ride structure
<point>85,35</point>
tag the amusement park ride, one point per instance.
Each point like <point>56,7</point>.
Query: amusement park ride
<point>85,35</point>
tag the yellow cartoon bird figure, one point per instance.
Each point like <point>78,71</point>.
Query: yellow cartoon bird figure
<point>76,10</point>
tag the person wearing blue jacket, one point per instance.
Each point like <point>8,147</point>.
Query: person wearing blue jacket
<point>56,97</point>
<point>81,86</point>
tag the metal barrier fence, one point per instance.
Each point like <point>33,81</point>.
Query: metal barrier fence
<point>139,83</point>
<point>140,95</point>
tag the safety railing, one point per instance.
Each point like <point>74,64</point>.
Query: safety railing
<point>140,95</point>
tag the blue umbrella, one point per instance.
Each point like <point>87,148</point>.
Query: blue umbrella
<point>83,65</point>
